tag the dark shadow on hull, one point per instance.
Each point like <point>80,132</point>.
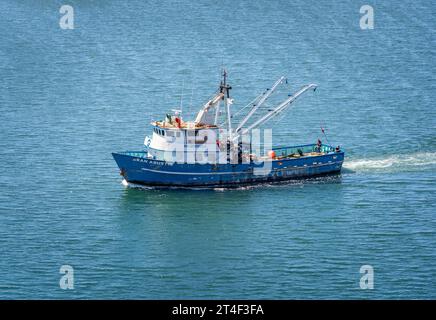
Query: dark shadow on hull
<point>236,185</point>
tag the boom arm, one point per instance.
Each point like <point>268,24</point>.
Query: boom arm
<point>264,97</point>
<point>277,109</point>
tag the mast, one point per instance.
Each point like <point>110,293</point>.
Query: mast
<point>225,89</point>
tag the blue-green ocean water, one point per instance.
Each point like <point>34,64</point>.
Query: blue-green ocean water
<point>68,98</point>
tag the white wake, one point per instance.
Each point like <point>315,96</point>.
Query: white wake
<point>398,162</point>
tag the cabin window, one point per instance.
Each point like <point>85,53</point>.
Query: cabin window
<point>170,133</point>
<point>163,132</point>
<point>191,133</point>
<point>178,134</point>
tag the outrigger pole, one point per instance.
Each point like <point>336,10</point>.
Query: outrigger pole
<point>263,98</point>
<point>276,110</point>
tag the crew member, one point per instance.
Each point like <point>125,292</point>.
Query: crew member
<point>318,146</point>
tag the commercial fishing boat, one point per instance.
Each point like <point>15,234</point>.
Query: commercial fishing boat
<point>211,151</point>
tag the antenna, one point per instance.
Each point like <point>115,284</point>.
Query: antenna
<point>192,94</point>
<point>181,98</point>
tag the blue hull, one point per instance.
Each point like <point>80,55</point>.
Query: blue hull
<point>138,169</point>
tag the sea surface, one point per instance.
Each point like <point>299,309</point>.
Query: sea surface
<point>68,98</point>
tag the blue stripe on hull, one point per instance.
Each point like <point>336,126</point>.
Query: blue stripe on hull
<point>139,170</point>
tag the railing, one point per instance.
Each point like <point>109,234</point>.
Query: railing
<point>302,149</point>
